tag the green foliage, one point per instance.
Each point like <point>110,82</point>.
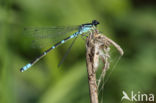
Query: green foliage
<point>128,22</point>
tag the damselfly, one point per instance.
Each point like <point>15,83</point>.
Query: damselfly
<point>82,30</point>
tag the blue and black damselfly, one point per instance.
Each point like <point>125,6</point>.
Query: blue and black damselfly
<point>81,30</point>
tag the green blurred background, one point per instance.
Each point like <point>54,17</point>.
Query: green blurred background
<point>131,23</point>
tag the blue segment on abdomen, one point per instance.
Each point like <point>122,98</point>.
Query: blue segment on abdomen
<point>62,41</point>
<point>72,36</point>
<point>53,47</point>
<point>26,67</point>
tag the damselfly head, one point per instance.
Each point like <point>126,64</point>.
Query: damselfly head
<point>95,22</point>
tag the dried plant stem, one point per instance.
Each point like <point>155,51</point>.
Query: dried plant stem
<point>98,47</point>
<point>90,52</point>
